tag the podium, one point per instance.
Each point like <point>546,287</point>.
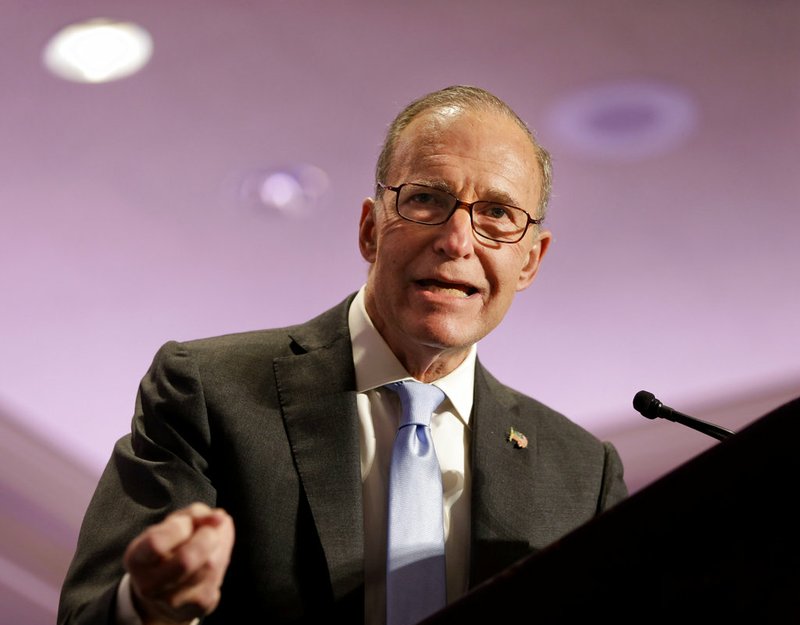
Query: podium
<point>717,540</point>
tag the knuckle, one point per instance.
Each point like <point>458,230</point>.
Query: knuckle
<point>197,508</point>
<point>187,559</point>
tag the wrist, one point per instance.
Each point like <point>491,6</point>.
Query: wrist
<point>150,613</point>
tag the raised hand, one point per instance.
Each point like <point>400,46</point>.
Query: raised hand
<point>177,566</point>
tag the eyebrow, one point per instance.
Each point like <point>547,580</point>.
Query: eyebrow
<point>494,195</point>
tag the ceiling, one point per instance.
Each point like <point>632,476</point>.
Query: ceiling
<point>122,224</point>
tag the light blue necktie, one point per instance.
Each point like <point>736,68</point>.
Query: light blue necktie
<point>415,565</point>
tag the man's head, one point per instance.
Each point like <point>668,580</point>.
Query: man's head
<point>462,97</point>
<point>434,290</point>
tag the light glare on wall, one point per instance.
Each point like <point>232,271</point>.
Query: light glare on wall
<point>98,50</point>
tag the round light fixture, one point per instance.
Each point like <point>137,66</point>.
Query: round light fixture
<point>625,120</point>
<point>290,191</point>
<point>99,50</point>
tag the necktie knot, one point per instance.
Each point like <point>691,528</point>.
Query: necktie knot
<point>419,400</point>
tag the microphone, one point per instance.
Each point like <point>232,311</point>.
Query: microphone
<point>647,404</point>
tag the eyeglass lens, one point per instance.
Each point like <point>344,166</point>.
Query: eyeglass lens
<point>428,205</point>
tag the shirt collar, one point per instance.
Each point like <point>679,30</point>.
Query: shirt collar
<point>376,364</point>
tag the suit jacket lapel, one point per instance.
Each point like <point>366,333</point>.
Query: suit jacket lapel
<point>501,473</point>
<point>317,394</point>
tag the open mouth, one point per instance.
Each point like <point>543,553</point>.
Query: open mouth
<point>453,288</point>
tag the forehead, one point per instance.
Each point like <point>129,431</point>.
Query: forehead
<point>480,150</point>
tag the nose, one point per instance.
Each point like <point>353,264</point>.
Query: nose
<point>455,237</point>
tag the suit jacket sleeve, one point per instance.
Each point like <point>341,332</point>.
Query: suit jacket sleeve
<point>159,467</point>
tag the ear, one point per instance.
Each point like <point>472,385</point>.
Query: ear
<point>367,232</point>
<point>535,255</point>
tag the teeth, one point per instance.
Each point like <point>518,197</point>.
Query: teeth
<point>455,292</point>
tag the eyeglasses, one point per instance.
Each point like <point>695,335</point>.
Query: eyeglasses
<point>431,206</point>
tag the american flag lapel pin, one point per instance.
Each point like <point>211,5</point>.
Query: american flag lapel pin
<point>518,438</point>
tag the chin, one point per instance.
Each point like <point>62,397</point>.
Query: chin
<point>448,333</point>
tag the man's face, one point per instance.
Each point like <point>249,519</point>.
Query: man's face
<point>441,287</point>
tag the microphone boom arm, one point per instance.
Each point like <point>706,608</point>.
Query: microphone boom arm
<point>650,407</point>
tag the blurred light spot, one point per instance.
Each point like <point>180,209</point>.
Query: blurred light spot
<point>290,191</point>
<point>98,50</point>
<point>281,191</point>
<point>629,120</point>
<point>636,118</point>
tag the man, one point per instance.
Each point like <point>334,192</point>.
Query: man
<point>253,487</point>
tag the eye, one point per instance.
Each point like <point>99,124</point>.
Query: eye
<point>495,212</point>
<point>419,196</point>
<point>422,197</point>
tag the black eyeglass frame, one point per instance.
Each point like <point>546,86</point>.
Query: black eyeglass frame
<point>458,204</point>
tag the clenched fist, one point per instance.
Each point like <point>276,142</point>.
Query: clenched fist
<point>176,567</point>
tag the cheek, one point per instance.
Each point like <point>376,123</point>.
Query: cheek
<point>393,252</point>
<point>504,270</point>
<point>399,244</point>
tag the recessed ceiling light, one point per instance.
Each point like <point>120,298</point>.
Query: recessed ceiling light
<point>290,191</point>
<point>626,120</point>
<point>98,50</point>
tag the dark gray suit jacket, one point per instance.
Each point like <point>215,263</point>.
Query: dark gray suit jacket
<point>264,424</point>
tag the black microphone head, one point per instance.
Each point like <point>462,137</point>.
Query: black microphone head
<point>647,404</point>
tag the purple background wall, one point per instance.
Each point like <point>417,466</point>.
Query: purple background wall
<point>674,129</point>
